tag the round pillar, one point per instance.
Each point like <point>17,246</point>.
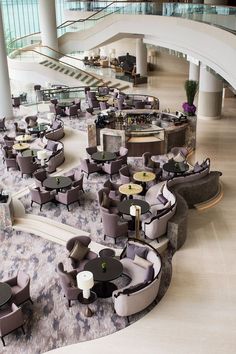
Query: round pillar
<point>193,71</point>
<point>48,25</point>
<point>141,57</point>
<point>210,95</point>
<point>6,109</point>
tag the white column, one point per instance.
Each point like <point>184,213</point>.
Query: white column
<point>210,95</point>
<point>48,24</point>
<point>6,109</point>
<point>193,71</point>
<point>141,57</point>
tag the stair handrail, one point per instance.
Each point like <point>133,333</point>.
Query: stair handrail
<point>64,63</point>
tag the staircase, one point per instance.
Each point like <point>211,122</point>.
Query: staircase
<point>83,77</point>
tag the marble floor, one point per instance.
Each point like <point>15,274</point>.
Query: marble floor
<point>197,313</point>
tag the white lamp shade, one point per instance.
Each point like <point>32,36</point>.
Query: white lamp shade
<point>85,280</point>
<point>178,158</point>
<point>134,209</point>
<point>42,155</point>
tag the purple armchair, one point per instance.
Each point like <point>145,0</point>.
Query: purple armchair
<point>91,150</point>
<point>31,121</point>
<point>68,197</point>
<point>85,241</point>
<point>113,226</point>
<point>112,168</point>
<point>20,287</point>
<point>27,165</point>
<point>89,167</point>
<point>72,111</point>
<point>41,197</point>
<point>106,204</point>
<point>68,283</point>
<point>11,318</point>
<point>103,105</point>
<point>126,175</point>
<point>93,103</point>
<point>39,177</point>
<point>113,190</point>
<point>122,155</point>
<point>2,124</point>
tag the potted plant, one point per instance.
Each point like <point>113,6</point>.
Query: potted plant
<point>191,88</point>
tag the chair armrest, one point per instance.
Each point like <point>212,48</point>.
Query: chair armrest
<point>91,255</point>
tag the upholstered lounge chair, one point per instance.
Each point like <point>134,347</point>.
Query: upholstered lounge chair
<point>68,283</point>
<point>20,287</point>
<point>11,318</point>
<point>85,241</point>
<point>113,227</point>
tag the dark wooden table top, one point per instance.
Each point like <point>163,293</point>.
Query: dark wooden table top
<point>5,293</point>
<point>175,167</point>
<point>114,268</point>
<point>124,206</point>
<point>30,152</point>
<point>103,156</point>
<point>57,182</point>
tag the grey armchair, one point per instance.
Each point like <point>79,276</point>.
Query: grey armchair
<point>113,190</point>
<point>122,155</point>
<point>41,197</point>
<point>27,165</point>
<point>68,281</point>
<point>72,111</point>
<point>68,197</point>
<point>11,162</point>
<point>93,103</point>
<point>78,179</point>
<point>85,241</point>
<point>91,150</point>
<point>10,320</point>
<point>39,177</point>
<point>2,124</point>
<point>113,226</point>
<point>106,204</point>
<point>20,287</point>
<point>31,121</point>
<point>112,168</point>
<point>89,167</point>
<point>126,175</point>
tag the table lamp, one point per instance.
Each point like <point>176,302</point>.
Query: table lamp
<point>42,155</point>
<point>85,282</point>
<point>135,210</point>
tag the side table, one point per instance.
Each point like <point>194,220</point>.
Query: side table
<point>90,300</point>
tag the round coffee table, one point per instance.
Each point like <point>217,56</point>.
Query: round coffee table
<point>175,167</point>
<point>103,156</point>
<point>21,146</point>
<point>144,177</point>
<point>107,252</point>
<point>30,152</point>
<point>124,208</point>
<point>23,138</point>
<point>130,189</point>
<point>58,182</point>
<point>113,269</point>
<point>5,293</point>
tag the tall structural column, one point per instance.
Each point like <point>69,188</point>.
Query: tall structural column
<point>210,95</point>
<point>193,71</point>
<point>6,109</point>
<point>48,25</point>
<point>141,57</point>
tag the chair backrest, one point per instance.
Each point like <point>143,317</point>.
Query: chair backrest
<point>73,110</point>
<point>100,194</point>
<point>91,150</point>
<point>25,163</point>
<point>125,175</point>
<point>110,223</point>
<point>23,280</point>
<point>123,151</point>
<point>40,175</point>
<point>2,123</point>
<point>139,105</point>
<point>78,180</point>
<point>35,195</point>
<point>85,165</point>
<point>92,95</point>
<point>116,166</point>
<point>85,240</point>
<point>146,157</point>
<point>64,279</point>
<point>11,321</point>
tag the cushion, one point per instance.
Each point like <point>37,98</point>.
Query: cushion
<point>78,252</point>
<point>162,199</point>
<point>150,274</point>
<point>56,125</point>
<point>134,288</point>
<point>133,250</point>
<point>144,263</point>
<point>197,167</point>
<point>105,201</point>
<point>72,280</point>
<point>52,145</point>
<point>204,164</point>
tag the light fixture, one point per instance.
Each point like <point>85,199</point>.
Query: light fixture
<point>42,155</point>
<point>85,282</point>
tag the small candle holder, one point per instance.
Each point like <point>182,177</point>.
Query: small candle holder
<point>144,174</point>
<point>104,266</point>
<point>57,180</point>
<point>130,187</point>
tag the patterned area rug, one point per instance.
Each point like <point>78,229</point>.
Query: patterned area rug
<point>49,322</point>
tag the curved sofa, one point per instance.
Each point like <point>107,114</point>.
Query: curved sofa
<point>138,294</point>
<point>57,133</point>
